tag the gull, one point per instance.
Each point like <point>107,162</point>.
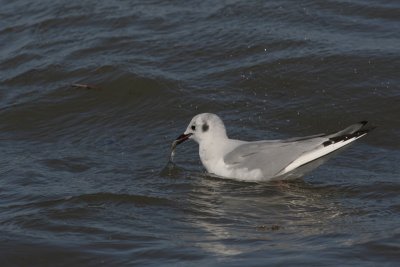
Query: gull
<point>261,160</point>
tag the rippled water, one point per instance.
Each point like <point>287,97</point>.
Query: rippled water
<point>83,178</point>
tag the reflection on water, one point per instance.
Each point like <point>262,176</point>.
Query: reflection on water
<point>233,214</point>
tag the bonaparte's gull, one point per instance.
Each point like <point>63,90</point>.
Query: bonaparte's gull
<point>260,160</point>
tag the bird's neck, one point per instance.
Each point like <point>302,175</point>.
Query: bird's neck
<point>213,150</point>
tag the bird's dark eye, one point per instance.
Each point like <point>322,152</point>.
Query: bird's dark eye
<point>193,128</point>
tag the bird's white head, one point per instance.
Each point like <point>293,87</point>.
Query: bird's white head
<point>204,127</point>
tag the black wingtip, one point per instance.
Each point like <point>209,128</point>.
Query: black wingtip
<point>327,143</point>
<point>346,137</point>
<point>363,122</point>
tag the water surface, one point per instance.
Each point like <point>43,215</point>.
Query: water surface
<point>83,179</point>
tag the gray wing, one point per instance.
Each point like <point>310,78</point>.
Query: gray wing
<point>271,157</point>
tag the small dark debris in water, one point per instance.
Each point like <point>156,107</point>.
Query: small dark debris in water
<point>274,227</point>
<point>85,86</point>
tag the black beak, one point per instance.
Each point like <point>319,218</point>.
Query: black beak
<point>182,138</point>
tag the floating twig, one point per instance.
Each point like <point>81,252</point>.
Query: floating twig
<point>85,86</point>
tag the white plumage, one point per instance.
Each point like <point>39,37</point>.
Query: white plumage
<point>260,160</point>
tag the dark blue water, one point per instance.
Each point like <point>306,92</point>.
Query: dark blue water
<point>83,179</point>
